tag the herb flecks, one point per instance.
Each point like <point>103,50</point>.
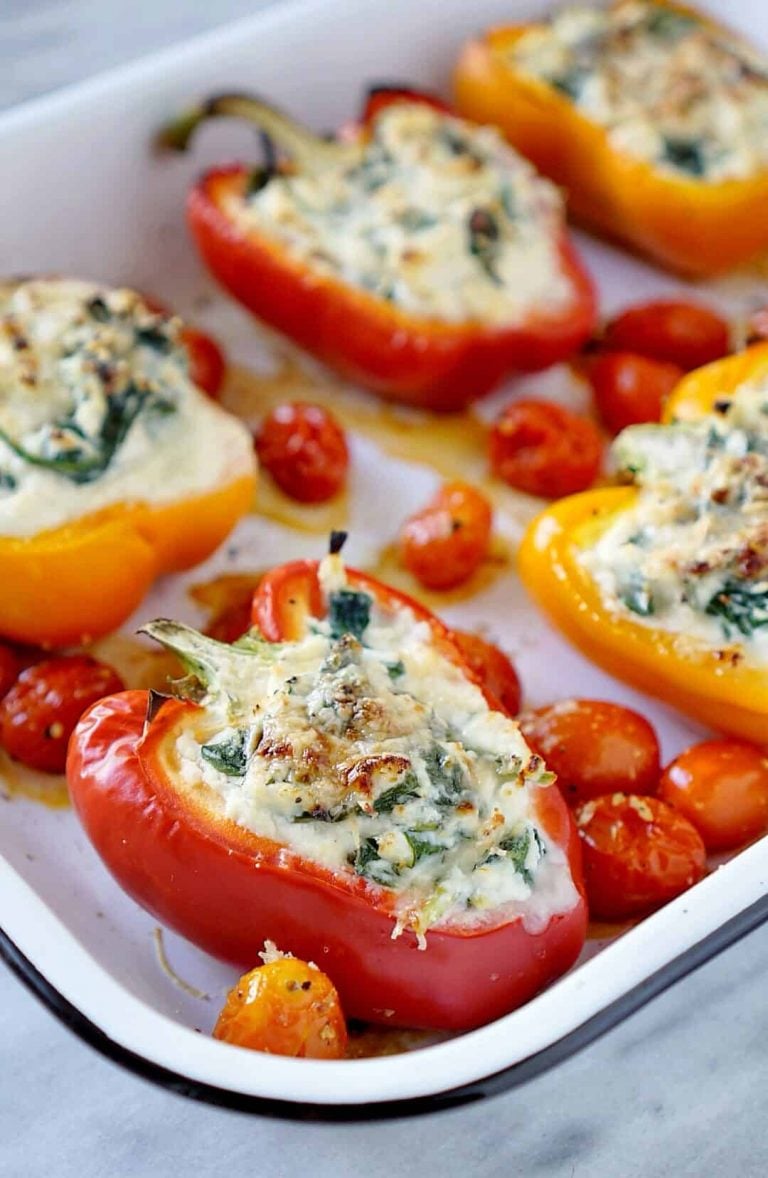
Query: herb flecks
<point>229,754</point>
<point>484,241</point>
<point>741,607</point>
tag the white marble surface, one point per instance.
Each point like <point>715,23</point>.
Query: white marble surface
<point>681,1089</point>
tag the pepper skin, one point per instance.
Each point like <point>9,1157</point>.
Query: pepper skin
<point>82,580</point>
<point>697,681</point>
<point>688,225</point>
<point>229,890</point>
<point>419,361</point>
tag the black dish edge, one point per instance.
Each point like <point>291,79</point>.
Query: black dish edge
<point>519,1073</point>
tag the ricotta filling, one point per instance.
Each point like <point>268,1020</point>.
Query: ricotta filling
<point>688,98</point>
<point>97,408</point>
<point>363,748</point>
<point>691,556</point>
<point>439,218</point>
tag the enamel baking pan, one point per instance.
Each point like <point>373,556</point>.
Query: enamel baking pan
<point>84,194</point>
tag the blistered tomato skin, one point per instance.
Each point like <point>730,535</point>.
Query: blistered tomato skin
<point>630,389</point>
<point>40,711</point>
<point>305,451</point>
<point>285,1007</point>
<point>445,543</point>
<point>594,747</point>
<point>493,668</point>
<point>670,330</point>
<point>638,853</point>
<point>721,786</point>
<point>544,449</point>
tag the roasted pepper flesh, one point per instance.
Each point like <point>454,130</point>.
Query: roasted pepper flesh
<point>229,889</point>
<point>366,337</point>
<point>692,226</point>
<point>712,683</point>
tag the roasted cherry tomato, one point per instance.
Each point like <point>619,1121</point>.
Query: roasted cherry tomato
<point>39,713</point>
<point>638,853</point>
<point>304,449</point>
<point>722,787</point>
<point>207,365</point>
<point>541,448</point>
<point>629,388</point>
<point>670,330</point>
<point>445,542</point>
<point>594,747</point>
<point>285,1007</point>
<point>10,666</point>
<point>492,667</point>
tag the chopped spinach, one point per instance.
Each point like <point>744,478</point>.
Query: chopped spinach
<point>420,847</point>
<point>741,607</point>
<point>571,81</point>
<point>335,813</point>
<point>483,229</point>
<point>687,155</point>
<point>8,483</point>
<point>229,756</point>
<point>367,862</point>
<point>395,670</point>
<point>517,847</point>
<point>414,220</point>
<point>446,775</point>
<point>638,598</point>
<point>668,24</point>
<point>155,337</point>
<point>349,612</point>
<point>402,792</point>
<point>98,309</point>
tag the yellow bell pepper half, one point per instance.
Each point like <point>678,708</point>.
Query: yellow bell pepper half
<point>690,225</point>
<point>705,682</point>
<point>79,581</point>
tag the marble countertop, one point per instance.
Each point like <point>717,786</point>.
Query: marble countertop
<point>680,1089</point>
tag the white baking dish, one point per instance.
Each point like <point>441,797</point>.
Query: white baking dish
<point>82,193</point>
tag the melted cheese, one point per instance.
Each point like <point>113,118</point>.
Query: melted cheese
<point>371,753</point>
<point>690,99</point>
<point>691,556</point>
<point>97,408</point>
<point>438,217</point>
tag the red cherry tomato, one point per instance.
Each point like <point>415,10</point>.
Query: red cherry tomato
<point>541,448</point>
<point>10,667</point>
<point>671,330</point>
<point>630,389</point>
<point>286,1007</point>
<point>304,449</point>
<point>594,747</point>
<point>492,667</point>
<point>207,366</point>
<point>445,542</point>
<point>638,853</point>
<point>721,786</point>
<point>39,713</point>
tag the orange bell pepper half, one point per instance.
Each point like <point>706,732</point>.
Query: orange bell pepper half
<point>690,225</point>
<point>229,889</point>
<point>700,681</point>
<point>80,581</point>
<point>427,362</point>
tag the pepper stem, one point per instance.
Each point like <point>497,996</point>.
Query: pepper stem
<point>294,139</point>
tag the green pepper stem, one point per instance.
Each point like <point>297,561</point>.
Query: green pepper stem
<point>295,140</point>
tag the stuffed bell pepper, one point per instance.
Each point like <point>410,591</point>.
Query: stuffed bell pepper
<point>665,582</point>
<point>420,257</point>
<point>338,781</point>
<point>651,116</point>
<point>114,466</point>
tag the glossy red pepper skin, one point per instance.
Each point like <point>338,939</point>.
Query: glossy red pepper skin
<point>423,362</point>
<point>228,889</point>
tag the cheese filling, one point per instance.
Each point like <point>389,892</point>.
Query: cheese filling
<point>363,748</point>
<point>437,217</point>
<point>97,408</point>
<point>691,556</point>
<point>688,98</point>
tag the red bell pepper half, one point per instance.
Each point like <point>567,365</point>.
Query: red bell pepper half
<point>366,338</point>
<point>228,889</point>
